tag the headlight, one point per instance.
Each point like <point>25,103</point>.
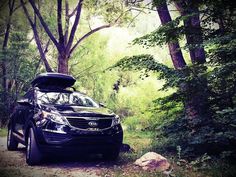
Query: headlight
<point>54,117</point>
<point>116,120</point>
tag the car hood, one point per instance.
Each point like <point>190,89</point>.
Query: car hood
<point>80,111</point>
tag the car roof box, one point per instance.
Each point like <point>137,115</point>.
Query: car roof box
<point>53,80</point>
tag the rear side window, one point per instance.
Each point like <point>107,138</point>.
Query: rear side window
<point>29,95</point>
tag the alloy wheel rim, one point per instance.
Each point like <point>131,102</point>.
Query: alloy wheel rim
<point>28,148</point>
<point>8,137</point>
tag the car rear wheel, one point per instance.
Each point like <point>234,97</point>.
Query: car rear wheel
<point>12,143</point>
<point>33,154</point>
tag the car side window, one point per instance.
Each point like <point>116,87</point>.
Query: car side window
<point>29,95</point>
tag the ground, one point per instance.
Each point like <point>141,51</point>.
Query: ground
<point>12,163</point>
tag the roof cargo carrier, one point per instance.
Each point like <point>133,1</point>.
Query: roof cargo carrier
<point>47,80</point>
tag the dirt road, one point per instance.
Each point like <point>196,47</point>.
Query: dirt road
<point>12,163</point>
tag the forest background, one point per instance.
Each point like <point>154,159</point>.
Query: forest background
<point>166,67</point>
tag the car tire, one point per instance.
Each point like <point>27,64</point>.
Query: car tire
<point>33,154</point>
<point>12,143</point>
<point>111,155</point>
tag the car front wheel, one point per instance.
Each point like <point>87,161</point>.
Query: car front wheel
<point>33,154</point>
<point>12,143</point>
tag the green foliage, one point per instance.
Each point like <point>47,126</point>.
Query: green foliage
<point>3,132</point>
<point>111,10</point>
<point>170,32</point>
<point>147,63</point>
<point>214,81</point>
<point>96,80</point>
<point>21,60</point>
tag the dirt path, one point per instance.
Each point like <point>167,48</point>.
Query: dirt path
<point>12,163</point>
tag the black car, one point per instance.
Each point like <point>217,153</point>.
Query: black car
<point>53,118</point>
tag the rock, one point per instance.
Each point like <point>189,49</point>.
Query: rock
<point>153,161</point>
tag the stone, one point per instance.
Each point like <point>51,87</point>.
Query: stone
<point>153,161</point>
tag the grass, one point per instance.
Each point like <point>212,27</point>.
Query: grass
<point>141,142</point>
<point>138,140</point>
<point>3,132</point>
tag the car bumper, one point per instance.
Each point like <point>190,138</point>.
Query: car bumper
<point>79,141</point>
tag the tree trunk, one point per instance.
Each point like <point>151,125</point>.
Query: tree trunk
<point>174,48</point>
<point>196,103</point>
<point>176,55</point>
<point>193,30</point>
<point>4,47</point>
<point>196,99</point>
<point>63,64</point>
<point>37,39</point>
<point>41,52</point>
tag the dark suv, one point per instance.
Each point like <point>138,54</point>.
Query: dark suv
<point>53,118</point>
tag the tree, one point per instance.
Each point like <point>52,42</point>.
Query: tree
<point>17,57</point>
<point>193,31</point>
<point>196,99</point>
<point>65,41</point>
<point>206,88</point>
<point>11,8</point>
<point>174,48</point>
<point>11,4</point>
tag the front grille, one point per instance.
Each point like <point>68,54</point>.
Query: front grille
<point>83,123</point>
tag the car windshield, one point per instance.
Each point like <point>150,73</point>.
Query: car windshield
<point>65,98</point>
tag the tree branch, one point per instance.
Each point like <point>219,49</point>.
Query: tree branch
<point>8,25</point>
<point>59,23</point>
<point>46,47</point>
<point>19,6</point>
<point>67,22</point>
<point>37,39</point>
<point>95,30</point>
<point>45,26</point>
<point>11,5</point>
<point>74,27</point>
<point>73,12</point>
<point>87,35</point>
<point>134,18</point>
<point>86,69</point>
<point>45,51</point>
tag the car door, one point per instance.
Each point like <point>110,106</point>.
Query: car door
<point>24,112</point>
<point>18,119</point>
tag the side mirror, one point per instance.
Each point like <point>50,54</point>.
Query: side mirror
<point>24,102</point>
<point>102,105</point>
